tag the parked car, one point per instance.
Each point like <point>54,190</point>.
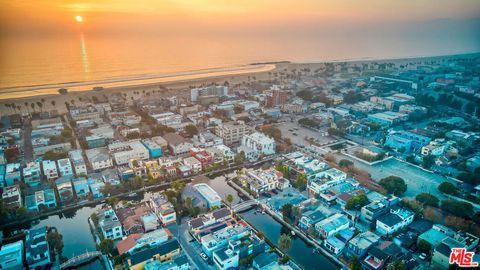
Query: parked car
<point>204,256</point>
<point>422,256</point>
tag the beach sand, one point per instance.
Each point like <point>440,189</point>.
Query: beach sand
<point>176,84</point>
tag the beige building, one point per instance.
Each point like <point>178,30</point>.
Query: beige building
<point>233,132</point>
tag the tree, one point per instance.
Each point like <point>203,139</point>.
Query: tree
<point>229,199</point>
<point>345,163</point>
<point>107,246</point>
<point>188,202</point>
<point>428,161</point>
<point>55,240</point>
<point>285,243</point>
<point>448,188</point>
<point>355,263</point>
<point>287,211</point>
<point>357,202</point>
<point>107,189</point>
<point>305,94</point>
<point>427,199</point>
<point>457,208</point>
<point>301,182</point>
<point>424,246</point>
<point>470,178</point>
<point>191,130</point>
<point>394,185</point>
<point>94,218</point>
<point>396,265</point>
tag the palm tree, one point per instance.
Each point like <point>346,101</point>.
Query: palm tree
<point>33,106</point>
<point>53,103</point>
<point>12,105</point>
<point>26,106</point>
<point>7,105</point>
<point>39,104</point>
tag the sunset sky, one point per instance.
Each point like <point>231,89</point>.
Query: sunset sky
<point>40,16</point>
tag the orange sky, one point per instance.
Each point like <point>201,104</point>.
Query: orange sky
<point>104,15</point>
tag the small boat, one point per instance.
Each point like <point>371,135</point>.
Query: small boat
<point>132,194</point>
<point>293,233</point>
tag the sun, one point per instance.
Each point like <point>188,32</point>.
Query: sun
<point>79,18</point>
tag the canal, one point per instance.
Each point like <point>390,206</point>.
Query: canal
<point>301,253</point>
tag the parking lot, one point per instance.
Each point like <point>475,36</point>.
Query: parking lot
<point>297,134</point>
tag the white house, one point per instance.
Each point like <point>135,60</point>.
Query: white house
<point>193,164</point>
<point>99,158</point>
<point>259,143</point>
<point>397,219</point>
<point>331,225</point>
<point>109,224</point>
<point>123,152</point>
<point>50,169</point>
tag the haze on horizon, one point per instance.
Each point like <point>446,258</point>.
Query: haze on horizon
<point>237,17</point>
<point>45,42</point>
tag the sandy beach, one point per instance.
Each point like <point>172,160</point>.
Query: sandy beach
<point>176,83</point>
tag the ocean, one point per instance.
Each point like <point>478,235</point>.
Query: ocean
<point>40,60</point>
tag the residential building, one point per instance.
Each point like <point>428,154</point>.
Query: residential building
<point>37,250</point>
<point>32,175</point>
<point>265,261</point>
<point>65,167</point>
<point>232,132</point>
<point>84,113</point>
<point>406,140</point>
<point>331,225</point>
<point>65,190</point>
<point>163,209</point>
<point>206,139</point>
<point>40,199</point>
<point>215,90</point>
<point>13,174</point>
<point>376,208</point>
<point>225,258</point>
<point>78,162</point>
<point>193,163</point>
<point>379,255</point>
<point>434,148</point>
<point>162,252</point>
<point>12,197</point>
<point>154,150</point>
<point>50,169</point>
<point>276,98</point>
<point>310,218</point>
<point>336,244</point>
<point>95,141</point>
<point>178,144</point>
<point>123,152</point>
<point>138,241</point>
<point>99,158</point>
<point>211,196</point>
<point>261,181</point>
<point>261,144</point>
<point>109,224</point>
<point>388,118</point>
<point>178,262</point>
<point>397,219</point>
<point>360,244</point>
<point>220,238</point>
<point>80,185</point>
<point>11,256</point>
<point>441,253</point>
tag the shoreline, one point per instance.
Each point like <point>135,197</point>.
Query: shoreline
<point>176,83</point>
